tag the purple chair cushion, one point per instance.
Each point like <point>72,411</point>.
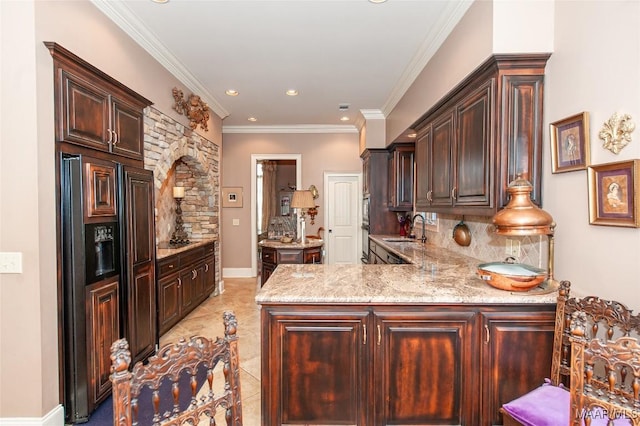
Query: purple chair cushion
<point>548,405</point>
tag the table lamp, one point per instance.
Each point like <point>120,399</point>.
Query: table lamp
<point>302,200</point>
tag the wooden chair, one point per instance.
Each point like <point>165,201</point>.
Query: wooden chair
<point>548,405</point>
<point>605,377</point>
<point>165,390</point>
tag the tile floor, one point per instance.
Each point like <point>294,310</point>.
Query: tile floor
<point>206,320</point>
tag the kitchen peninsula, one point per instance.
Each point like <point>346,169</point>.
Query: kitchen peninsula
<point>421,343</point>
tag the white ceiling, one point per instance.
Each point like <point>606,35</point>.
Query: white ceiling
<point>333,52</point>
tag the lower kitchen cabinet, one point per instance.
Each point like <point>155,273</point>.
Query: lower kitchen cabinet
<point>185,280</point>
<point>102,330</point>
<point>392,365</point>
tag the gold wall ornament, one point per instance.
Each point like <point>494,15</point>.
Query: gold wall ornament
<point>616,132</point>
<point>194,108</point>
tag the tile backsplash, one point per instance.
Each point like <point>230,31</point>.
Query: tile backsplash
<point>485,245</point>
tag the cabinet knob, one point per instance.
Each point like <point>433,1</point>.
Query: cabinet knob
<point>179,282</point>
<point>453,193</point>
<point>206,267</point>
<point>115,137</point>
<point>194,274</point>
<point>170,266</point>
<point>110,132</point>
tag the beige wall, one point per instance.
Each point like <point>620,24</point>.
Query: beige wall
<point>595,71</point>
<point>320,153</point>
<point>28,306</point>
<point>468,45</point>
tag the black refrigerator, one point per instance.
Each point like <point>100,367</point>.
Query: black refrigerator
<point>108,274</point>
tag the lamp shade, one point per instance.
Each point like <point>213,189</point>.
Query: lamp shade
<point>302,200</point>
<point>520,216</point>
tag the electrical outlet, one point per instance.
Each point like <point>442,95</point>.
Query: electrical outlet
<point>512,248</point>
<point>10,263</point>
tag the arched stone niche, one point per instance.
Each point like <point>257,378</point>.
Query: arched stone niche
<point>180,157</point>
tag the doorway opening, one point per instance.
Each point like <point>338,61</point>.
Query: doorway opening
<point>257,163</point>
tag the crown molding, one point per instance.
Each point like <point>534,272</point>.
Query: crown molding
<point>372,114</point>
<point>302,128</point>
<point>439,33</point>
<point>120,14</point>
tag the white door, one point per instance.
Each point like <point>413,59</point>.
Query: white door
<point>342,221</point>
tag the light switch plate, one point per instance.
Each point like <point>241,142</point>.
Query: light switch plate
<point>10,263</point>
<point>236,222</point>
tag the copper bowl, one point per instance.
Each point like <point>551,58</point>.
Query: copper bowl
<point>511,276</point>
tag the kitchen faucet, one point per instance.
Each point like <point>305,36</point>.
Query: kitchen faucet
<point>413,222</point>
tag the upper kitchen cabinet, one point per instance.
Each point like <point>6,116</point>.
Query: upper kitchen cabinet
<point>400,180</point>
<point>95,111</point>
<point>481,136</point>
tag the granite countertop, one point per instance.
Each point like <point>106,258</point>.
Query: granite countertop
<point>435,276</point>
<point>165,250</point>
<point>276,244</point>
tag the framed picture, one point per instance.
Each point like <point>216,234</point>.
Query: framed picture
<point>613,194</point>
<point>570,143</point>
<point>232,196</point>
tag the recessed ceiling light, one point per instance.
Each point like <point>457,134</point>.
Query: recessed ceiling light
<point>292,92</point>
<point>252,119</point>
<point>377,1</point>
<point>160,1</point>
<point>344,118</point>
<point>232,92</point>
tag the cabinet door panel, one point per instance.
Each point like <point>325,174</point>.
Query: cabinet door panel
<point>522,114</point>
<point>128,126</point>
<point>209,275</point>
<point>85,113</point>
<point>316,370</point>
<point>424,365</point>
<point>188,290</point>
<point>104,329</point>
<point>442,167</point>
<point>168,302</point>
<point>142,311</point>
<point>423,145</point>
<point>473,155</point>
<point>508,367</point>
<point>100,190</point>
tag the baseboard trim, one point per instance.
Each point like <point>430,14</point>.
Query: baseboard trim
<point>54,417</point>
<point>237,273</point>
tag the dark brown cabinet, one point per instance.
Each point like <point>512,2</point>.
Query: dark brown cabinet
<point>139,306</point>
<point>381,219</point>
<point>400,177</point>
<point>271,257</point>
<point>100,190</point>
<point>507,340</point>
<point>413,364</point>
<point>95,111</point>
<point>422,364</point>
<point>103,329</point>
<point>481,136</point>
<point>185,280</point>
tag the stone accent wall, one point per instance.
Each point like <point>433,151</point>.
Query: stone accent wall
<point>179,156</point>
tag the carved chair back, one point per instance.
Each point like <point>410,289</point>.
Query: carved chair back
<point>605,373</point>
<point>605,320</point>
<point>161,384</point>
